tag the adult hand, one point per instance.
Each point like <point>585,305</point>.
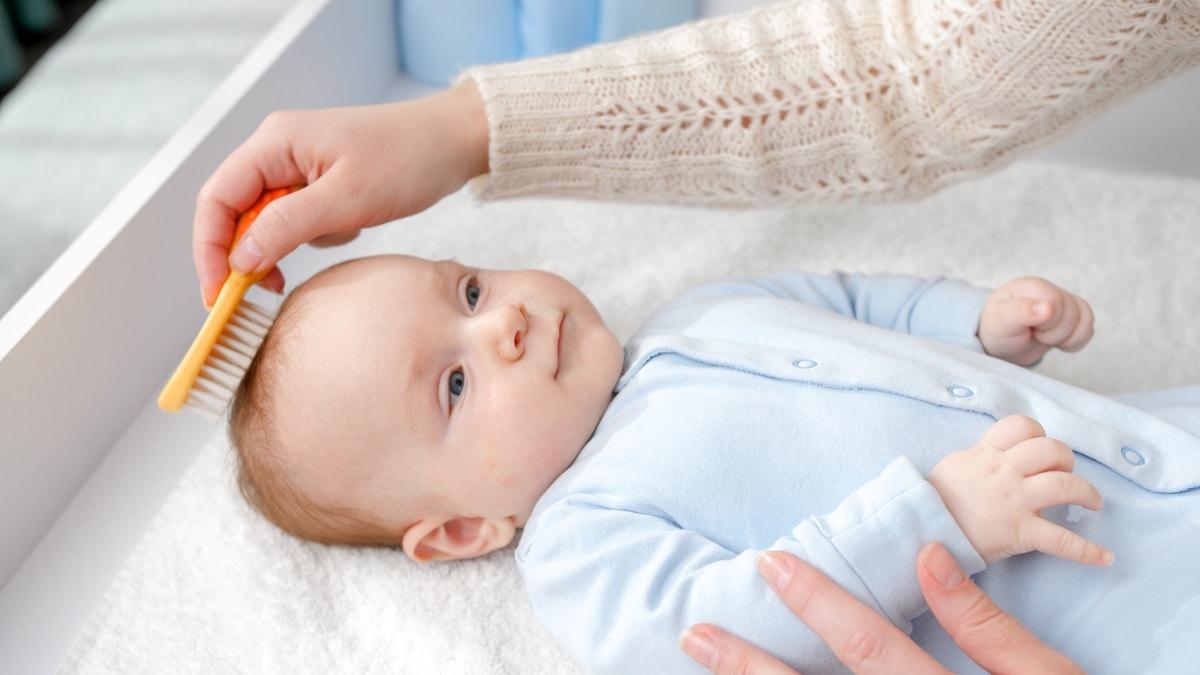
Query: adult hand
<point>363,166</point>
<point>865,641</point>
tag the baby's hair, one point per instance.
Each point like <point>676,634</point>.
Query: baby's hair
<point>264,472</point>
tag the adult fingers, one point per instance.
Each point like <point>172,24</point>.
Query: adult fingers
<point>327,208</point>
<point>725,654</point>
<point>861,638</point>
<point>336,239</point>
<point>212,234</point>
<point>993,639</point>
<point>236,184</point>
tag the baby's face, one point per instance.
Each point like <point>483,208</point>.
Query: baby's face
<point>474,387</point>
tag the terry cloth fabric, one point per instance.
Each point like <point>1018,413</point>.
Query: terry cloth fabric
<point>212,587</point>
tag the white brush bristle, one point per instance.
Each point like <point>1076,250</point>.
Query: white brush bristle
<point>230,357</point>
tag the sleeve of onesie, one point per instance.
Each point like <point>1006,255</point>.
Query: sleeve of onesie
<point>616,587</point>
<point>822,100</point>
<point>942,309</point>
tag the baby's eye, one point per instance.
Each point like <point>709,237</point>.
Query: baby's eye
<point>472,292</point>
<point>458,382</point>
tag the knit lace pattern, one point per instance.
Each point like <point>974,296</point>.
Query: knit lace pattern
<point>822,100</point>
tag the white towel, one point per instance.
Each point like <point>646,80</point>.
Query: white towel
<point>213,588</point>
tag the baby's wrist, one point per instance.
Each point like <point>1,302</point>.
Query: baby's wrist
<point>958,507</point>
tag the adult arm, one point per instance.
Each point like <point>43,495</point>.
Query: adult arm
<point>813,100</point>
<point>840,100</point>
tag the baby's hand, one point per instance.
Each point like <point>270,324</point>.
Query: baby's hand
<point>997,489</point>
<point>1029,316</point>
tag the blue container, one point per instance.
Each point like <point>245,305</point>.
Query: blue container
<point>621,18</point>
<point>553,26</point>
<point>438,38</point>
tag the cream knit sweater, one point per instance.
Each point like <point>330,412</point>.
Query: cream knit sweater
<point>822,100</point>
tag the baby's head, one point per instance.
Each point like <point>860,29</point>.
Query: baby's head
<point>400,401</point>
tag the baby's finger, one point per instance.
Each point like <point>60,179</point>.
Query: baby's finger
<point>1045,536</point>
<point>1038,455</point>
<point>1017,316</point>
<point>1055,488</point>
<point>1056,318</point>
<point>1010,431</point>
<point>1084,326</point>
<point>1070,325</point>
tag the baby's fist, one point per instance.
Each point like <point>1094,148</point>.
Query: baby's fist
<point>1027,317</point>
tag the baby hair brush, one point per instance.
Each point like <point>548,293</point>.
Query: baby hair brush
<point>214,365</point>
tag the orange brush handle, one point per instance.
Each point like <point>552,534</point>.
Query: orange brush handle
<point>175,394</point>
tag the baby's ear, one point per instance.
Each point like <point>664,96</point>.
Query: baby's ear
<point>456,538</point>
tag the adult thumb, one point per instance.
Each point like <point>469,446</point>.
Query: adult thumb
<point>994,639</point>
<point>286,223</point>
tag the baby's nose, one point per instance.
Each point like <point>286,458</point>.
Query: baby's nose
<point>506,327</point>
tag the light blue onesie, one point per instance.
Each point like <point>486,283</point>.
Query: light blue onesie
<point>751,416</point>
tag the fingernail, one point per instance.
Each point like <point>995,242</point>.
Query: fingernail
<point>1107,558</point>
<point>699,647</point>
<point>246,256</point>
<point>943,566</point>
<point>775,569</point>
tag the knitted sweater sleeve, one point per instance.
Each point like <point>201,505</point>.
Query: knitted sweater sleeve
<point>822,100</point>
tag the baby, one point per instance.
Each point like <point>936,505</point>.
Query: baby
<point>439,408</point>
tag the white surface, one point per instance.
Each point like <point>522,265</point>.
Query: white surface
<point>214,587</point>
